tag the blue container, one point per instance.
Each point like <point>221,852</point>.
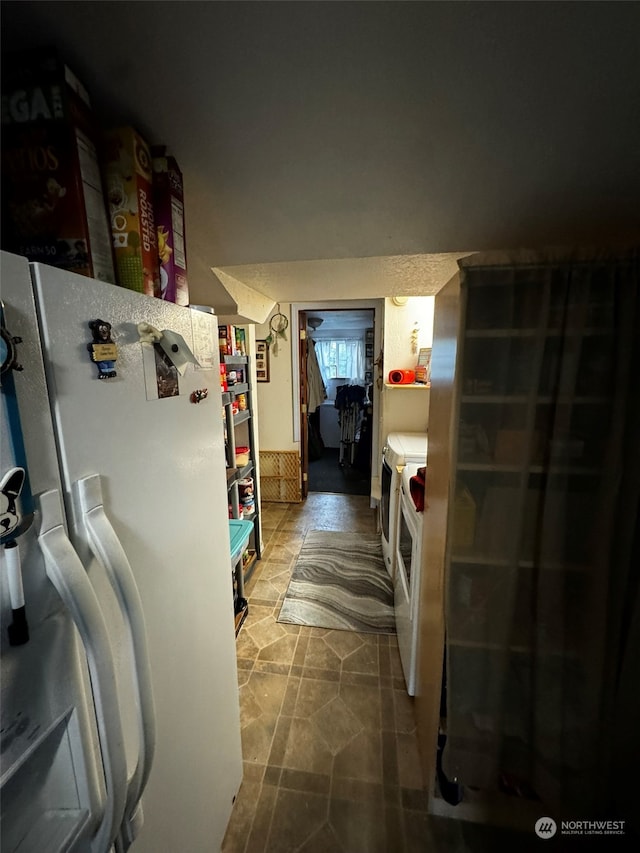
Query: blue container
<point>239,532</point>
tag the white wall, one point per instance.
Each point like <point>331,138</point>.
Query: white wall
<point>405,409</point>
<point>275,398</point>
<point>399,322</point>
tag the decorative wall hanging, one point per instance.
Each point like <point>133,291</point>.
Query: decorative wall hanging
<point>278,325</point>
<point>414,337</point>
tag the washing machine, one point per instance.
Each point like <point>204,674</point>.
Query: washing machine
<point>399,448</point>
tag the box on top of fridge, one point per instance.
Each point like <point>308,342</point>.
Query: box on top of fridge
<point>128,185</point>
<point>168,208</point>
<point>53,207</point>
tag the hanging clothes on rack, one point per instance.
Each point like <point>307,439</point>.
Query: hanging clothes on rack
<point>349,402</point>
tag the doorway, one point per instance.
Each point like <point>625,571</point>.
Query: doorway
<point>337,353</point>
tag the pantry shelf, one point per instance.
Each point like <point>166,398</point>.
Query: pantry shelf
<point>240,445</point>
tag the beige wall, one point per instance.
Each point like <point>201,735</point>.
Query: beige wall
<point>275,398</point>
<point>399,322</point>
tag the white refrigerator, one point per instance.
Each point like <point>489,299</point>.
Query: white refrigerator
<point>120,712</point>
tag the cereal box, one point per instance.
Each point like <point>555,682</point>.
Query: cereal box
<point>53,208</point>
<point>127,175</point>
<point>168,208</point>
<point>227,339</point>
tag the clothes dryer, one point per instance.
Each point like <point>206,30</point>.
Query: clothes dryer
<point>399,448</point>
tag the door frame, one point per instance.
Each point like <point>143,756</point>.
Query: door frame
<point>377,305</point>
<point>303,391</point>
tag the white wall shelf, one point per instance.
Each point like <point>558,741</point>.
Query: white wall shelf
<point>413,386</point>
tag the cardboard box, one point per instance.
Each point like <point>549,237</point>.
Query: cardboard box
<point>168,209</point>
<point>127,176</point>
<point>228,340</point>
<point>226,334</point>
<point>241,342</point>
<point>53,206</point>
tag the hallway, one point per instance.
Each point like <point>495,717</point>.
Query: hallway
<point>325,718</point>
<point>330,751</point>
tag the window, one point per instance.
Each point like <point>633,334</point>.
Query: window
<point>342,358</point>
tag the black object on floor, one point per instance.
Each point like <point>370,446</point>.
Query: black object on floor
<point>451,792</point>
<point>327,475</point>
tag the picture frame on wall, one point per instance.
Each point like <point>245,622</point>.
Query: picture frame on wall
<point>262,361</point>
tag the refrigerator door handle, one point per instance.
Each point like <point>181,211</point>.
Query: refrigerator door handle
<point>107,548</point>
<point>68,576</point>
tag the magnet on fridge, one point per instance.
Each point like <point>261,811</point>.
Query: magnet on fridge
<point>199,394</point>
<point>103,351</point>
<point>8,352</point>
<point>149,334</point>
<point>177,350</point>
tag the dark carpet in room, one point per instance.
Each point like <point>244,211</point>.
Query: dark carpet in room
<point>327,475</point>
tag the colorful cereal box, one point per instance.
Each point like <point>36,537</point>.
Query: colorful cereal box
<point>128,185</point>
<point>53,208</point>
<point>168,208</point>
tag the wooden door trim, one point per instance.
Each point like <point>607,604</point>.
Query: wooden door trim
<point>303,343</point>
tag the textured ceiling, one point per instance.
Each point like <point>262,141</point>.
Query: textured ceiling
<point>350,278</point>
<point>344,320</point>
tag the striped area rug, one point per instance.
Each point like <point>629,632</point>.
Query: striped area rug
<point>340,581</point>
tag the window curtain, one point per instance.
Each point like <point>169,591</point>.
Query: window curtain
<point>543,619</point>
<point>343,358</point>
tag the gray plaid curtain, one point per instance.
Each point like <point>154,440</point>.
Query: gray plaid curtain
<point>542,608</point>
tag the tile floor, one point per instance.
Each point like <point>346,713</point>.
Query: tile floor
<point>328,732</point>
